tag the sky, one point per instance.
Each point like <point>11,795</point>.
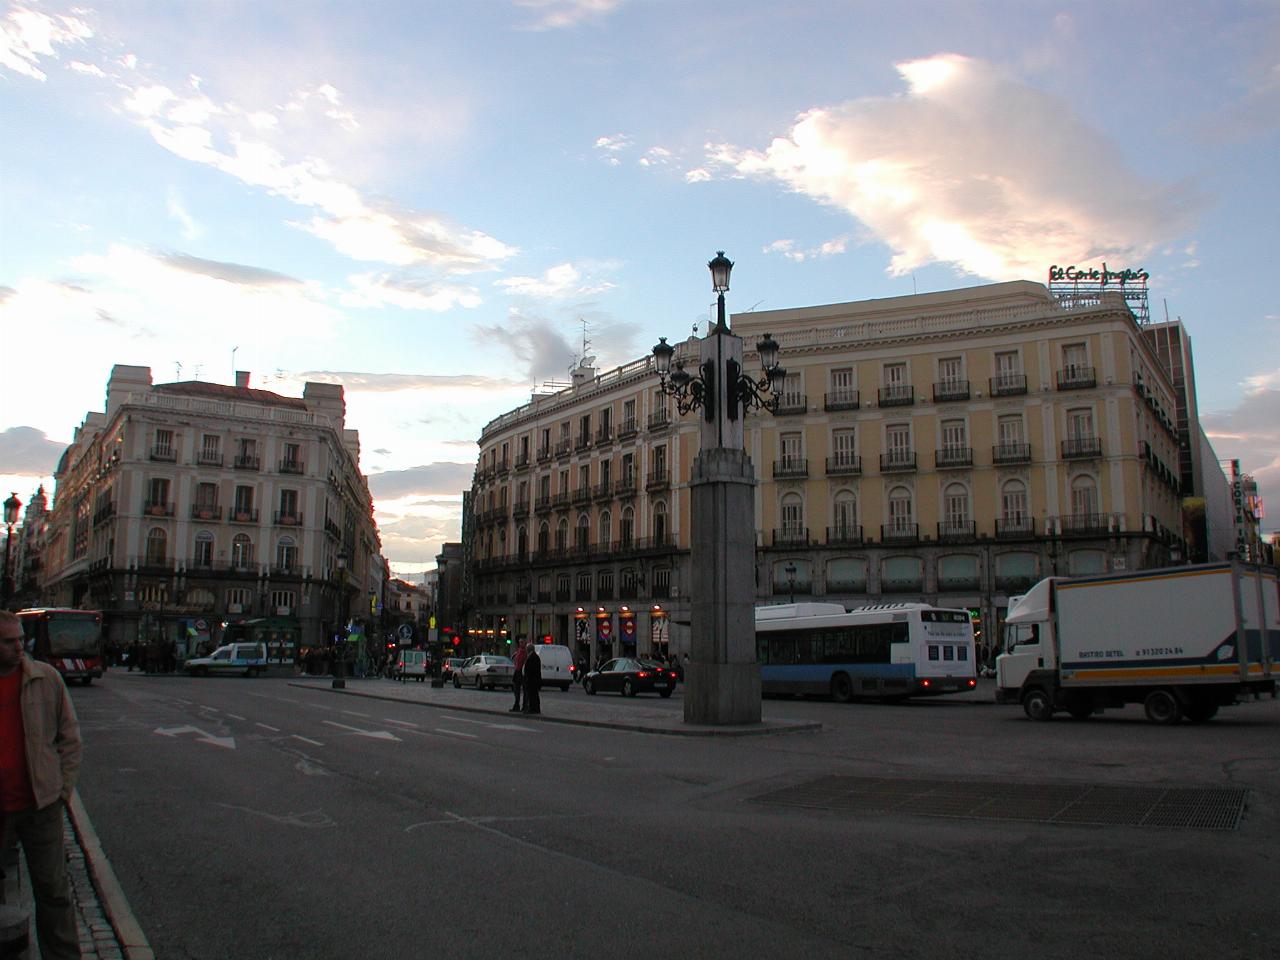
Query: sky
<point>433,203</point>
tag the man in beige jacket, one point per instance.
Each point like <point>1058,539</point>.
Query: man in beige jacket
<point>39,757</point>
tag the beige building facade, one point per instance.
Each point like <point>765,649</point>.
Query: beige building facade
<point>186,509</point>
<point>952,447</point>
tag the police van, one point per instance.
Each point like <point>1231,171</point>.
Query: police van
<point>249,659</point>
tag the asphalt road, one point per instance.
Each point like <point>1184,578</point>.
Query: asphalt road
<point>253,819</point>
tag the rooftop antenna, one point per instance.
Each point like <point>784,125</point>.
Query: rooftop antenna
<point>233,363</point>
<point>586,344</point>
<point>178,374</point>
<point>1166,309</point>
<point>197,374</point>
<point>913,284</point>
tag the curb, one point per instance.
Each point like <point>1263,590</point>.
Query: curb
<point>754,730</point>
<point>114,903</point>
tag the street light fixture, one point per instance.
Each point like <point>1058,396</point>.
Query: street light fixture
<point>339,644</point>
<point>11,508</point>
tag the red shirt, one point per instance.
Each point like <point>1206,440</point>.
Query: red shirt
<point>15,779</point>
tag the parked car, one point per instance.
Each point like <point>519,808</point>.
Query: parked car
<point>485,672</point>
<point>247,658</point>
<point>450,667</point>
<point>630,676</point>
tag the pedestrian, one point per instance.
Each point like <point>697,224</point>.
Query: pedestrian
<point>39,757</point>
<point>517,675</point>
<point>532,681</point>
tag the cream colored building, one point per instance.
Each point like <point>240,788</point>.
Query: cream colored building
<point>952,447</point>
<point>188,507</point>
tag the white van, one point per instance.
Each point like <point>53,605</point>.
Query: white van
<point>247,658</point>
<point>557,665</point>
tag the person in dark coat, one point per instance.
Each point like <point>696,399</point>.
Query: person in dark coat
<point>517,675</point>
<point>532,680</point>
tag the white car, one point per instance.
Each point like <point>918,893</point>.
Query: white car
<point>486,671</point>
<point>247,658</point>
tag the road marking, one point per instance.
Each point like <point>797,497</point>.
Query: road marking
<point>403,723</point>
<point>265,726</point>
<point>371,734</point>
<point>314,743</point>
<point>352,713</point>
<point>452,818</point>
<point>483,723</point>
<point>512,726</point>
<point>227,743</point>
<point>457,733</point>
<point>267,696</point>
<point>206,707</point>
<point>236,716</point>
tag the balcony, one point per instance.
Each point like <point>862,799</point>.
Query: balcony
<point>1084,524</point>
<point>542,504</point>
<point>659,420</point>
<point>628,429</point>
<point>790,468</point>
<point>625,487</point>
<point>208,458</point>
<point>502,467</point>
<point>582,495</point>
<point>1015,528</point>
<point>844,465</point>
<point>561,500</point>
<point>520,509</point>
<point>583,442</point>
<point>1008,384</point>
<point>157,508</point>
<point>953,530</point>
<point>1082,448</point>
<point>163,454</point>
<point>791,537</point>
<point>544,454</point>
<point>247,463</point>
<point>792,404</point>
<point>206,511</point>
<point>242,515</point>
<point>1077,378</point>
<point>602,490</point>
<point>899,532</point>
<point>604,435</point>
<point>1011,453</point>
<point>563,448</point>
<point>658,479</point>
<point>950,391</point>
<point>288,518</point>
<point>951,458</point>
<point>844,535</point>
<point>840,400</point>
<point>897,396</point>
<point>522,462</point>
<point>296,467</point>
<point>901,461</point>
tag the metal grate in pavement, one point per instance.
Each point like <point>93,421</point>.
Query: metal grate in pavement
<point>1203,808</point>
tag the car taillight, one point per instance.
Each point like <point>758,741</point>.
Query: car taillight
<point>924,683</point>
<point>973,683</point>
<point>643,673</point>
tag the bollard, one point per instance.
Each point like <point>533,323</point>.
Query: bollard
<point>14,927</point>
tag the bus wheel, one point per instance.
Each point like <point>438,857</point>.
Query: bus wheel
<point>1037,704</point>
<point>1162,707</point>
<point>841,688</point>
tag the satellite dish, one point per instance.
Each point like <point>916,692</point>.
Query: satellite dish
<point>588,361</point>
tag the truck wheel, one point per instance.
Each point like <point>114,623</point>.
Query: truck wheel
<point>1037,704</point>
<point>1202,712</point>
<point>1162,707</point>
<point>457,684</point>
<point>841,688</point>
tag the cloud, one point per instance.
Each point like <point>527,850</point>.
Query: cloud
<point>535,343</point>
<point>27,36</point>
<point>389,382</point>
<point>561,14</point>
<point>178,210</point>
<point>656,157</point>
<point>237,273</point>
<point>27,451</point>
<point>1250,432</point>
<point>557,283</point>
<point>611,146</point>
<point>788,249</point>
<point>433,479</point>
<point>969,167</point>
<point>408,292</point>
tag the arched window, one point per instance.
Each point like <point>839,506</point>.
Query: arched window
<point>583,536</point>
<point>562,534</point>
<point>845,516</point>
<point>241,551</point>
<point>1013,505</point>
<point>544,538</point>
<point>955,510</point>
<point>522,540</point>
<point>792,512</point>
<point>627,531</point>
<point>606,529</point>
<point>286,553</point>
<point>1084,499</point>
<point>901,515</point>
<point>659,523</point>
<point>157,547</point>
<point>204,550</point>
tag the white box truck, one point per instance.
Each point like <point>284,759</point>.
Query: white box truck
<point>1182,641</point>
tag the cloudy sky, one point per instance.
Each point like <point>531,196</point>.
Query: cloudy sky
<point>425,201</point>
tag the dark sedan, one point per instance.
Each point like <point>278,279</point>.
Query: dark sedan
<point>630,676</point>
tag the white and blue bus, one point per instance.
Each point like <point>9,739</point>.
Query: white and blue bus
<point>886,651</point>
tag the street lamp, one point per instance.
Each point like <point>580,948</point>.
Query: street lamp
<point>791,579</point>
<point>723,682</point>
<point>339,641</point>
<point>11,508</point>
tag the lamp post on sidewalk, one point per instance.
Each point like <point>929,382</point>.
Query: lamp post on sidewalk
<point>339,640</point>
<point>723,681</point>
<point>11,508</point>
<point>791,578</point>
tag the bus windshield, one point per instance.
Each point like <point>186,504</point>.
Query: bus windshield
<point>74,636</point>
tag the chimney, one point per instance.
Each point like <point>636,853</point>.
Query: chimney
<point>242,379</point>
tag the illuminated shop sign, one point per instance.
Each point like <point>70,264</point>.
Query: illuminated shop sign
<point>1104,276</point>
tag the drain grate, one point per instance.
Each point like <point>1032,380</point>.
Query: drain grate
<point>1200,808</point>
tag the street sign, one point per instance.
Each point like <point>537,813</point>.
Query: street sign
<point>406,631</point>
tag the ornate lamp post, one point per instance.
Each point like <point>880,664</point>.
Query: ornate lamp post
<point>339,642</point>
<point>11,508</point>
<point>723,679</point>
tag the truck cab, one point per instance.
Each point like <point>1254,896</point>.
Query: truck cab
<point>1028,643</point>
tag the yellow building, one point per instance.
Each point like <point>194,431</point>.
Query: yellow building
<point>951,447</point>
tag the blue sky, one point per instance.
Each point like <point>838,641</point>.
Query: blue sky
<point>425,200</point>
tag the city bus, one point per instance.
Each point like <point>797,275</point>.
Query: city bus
<point>68,640</point>
<point>885,651</point>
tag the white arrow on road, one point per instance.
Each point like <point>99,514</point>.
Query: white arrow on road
<point>372,734</point>
<point>227,743</point>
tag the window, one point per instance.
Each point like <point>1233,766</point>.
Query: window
<point>241,551</point>
<point>900,512</point>
<point>628,475</point>
<point>292,456</point>
<point>661,583</point>
<point>660,522</point>
<point>605,528</point>
<point>950,371</point>
<point>1013,503</point>
<point>283,602</point>
<point>895,375</point>
<point>1007,364</point>
<point>846,513</point>
<point>1075,361</point>
<point>1009,430</point>
<point>157,547</point>
<point>289,503</point>
<point>544,538</point>
<point>158,492</point>
<point>789,446</point>
<point>544,487</point>
<point>627,529</point>
<point>955,507</point>
<point>206,496</point>
<point>606,422</point>
<point>606,474</point>
<point>286,554</point>
<point>164,444</point>
<point>583,591</point>
<point>1084,497</point>
<point>562,534</point>
<point>238,599</point>
<point>660,461</point>
<point>244,500</point>
<point>1080,424</point>
<point>792,391</point>
<point>842,382</point>
<point>792,513</point>
<point>564,482</point>
<point>954,439</point>
<point>604,585</point>
<point>584,477</point>
<point>897,438</point>
<point>583,535</point>
<point>844,445</point>
<point>629,414</point>
<point>248,448</point>
<point>210,448</point>
<point>203,556</point>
